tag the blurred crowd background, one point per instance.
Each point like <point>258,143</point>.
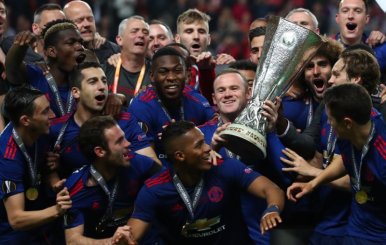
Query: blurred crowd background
<point>228,26</point>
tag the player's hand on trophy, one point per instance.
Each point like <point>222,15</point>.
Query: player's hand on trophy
<point>270,111</point>
<point>217,141</point>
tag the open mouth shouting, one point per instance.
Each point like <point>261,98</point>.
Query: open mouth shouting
<point>100,99</point>
<point>319,85</point>
<point>351,26</point>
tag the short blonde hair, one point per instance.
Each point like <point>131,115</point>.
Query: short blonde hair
<point>190,16</point>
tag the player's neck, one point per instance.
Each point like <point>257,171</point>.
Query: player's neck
<point>60,76</point>
<point>360,135</point>
<point>351,41</point>
<point>81,115</point>
<point>227,118</point>
<point>132,62</point>
<point>107,171</point>
<point>188,177</point>
<point>27,135</point>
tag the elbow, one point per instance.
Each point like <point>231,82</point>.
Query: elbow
<point>17,224</point>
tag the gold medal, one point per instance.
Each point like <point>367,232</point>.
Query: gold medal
<point>361,197</point>
<point>32,193</point>
<point>184,230</point>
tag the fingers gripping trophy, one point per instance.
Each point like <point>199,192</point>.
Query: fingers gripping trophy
<point>287,48</point>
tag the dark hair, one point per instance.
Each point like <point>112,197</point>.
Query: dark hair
<point>188,62</point>
<point>172,132</point>
<point>164,51</point>
<point>19,102</point>
<point>348,100</point>
<point>256,32</point>
<point>45,7</point>
<point>360,63</point>
<point>53,28</point>
<point>243,65</point>
<point>76,75</point>
<point>92,134</point>
<point>331,49</point>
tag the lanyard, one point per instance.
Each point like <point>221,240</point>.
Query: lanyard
<point>310,113</point>
<point>182,113</point>
<point>358,169</point>
<point>190,205</point>
<point>70,100</point>
<point>111,195</point>
<point>61,133</point>
<point>331,142</point>
<point>31,165</point>
<point>137,84</point>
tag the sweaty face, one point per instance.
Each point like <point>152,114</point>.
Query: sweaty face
<point>83,17</point>
<point>303,19</point>
<point>169,75</point>
<point>230,95</point>
<point>135,38</point>
<point>316,74</point>
<point>93,92</point>
<point>352,18</point>
<point>39,122</point>
<point>196,151</point>
<point>339,74</point>
<point>118,152</point>
<point>159,37</point>
<point>69,50</point>
<point>256,48</point>
<point>194,36</point>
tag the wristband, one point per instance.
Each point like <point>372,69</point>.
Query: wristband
<point>271,209</point>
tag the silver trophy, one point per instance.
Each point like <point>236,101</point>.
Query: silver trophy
<point>286,50</point>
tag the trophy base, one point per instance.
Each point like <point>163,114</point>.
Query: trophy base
<point>248,143</point>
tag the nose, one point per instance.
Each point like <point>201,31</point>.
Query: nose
<point>207,148</point>
<point>51,114</point>
<point>316,70</point>
<point>350,14</point>
<point>126,143</point>
<point>195,35</point>
<point>331,81</point>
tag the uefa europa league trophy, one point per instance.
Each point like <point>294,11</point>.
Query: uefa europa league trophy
<point>287,48</point>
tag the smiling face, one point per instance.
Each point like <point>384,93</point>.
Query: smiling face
<point>230,95</point>
<point>135,37</point>
<point>169,76</point>
<point>352,18</point>
<point>92,94</point>
<point>195,36</point>
<point>195,152</point>
<point>316,74</point>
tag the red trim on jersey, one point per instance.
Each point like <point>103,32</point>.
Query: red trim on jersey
<point>76,188</point>
<point>160,179</point>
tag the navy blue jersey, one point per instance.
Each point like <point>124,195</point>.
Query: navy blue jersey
<point>217,217</point>
<point>15,178</point>
<point>71,158</point>
<point>148,111</point>
<point>368,221</point>
<point>89,203</point>
<point>298,111</point>
<point>37,80</point>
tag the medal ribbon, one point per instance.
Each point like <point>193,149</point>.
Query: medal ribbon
<point>331,142</point>
<point>137,84</point>
<point>190,205</point>
<point>31,165</point>
<point>182,113</point>
<point>111,195</point>
<point>310,113</point>
<point>70,100</point>
<point>365,149</point>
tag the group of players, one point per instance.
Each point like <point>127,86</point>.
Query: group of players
<point>120,144</point>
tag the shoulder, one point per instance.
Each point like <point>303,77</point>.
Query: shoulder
<point>194,96</point>
<point>160,179</point>
<point>146,96</point>
<point>75,182</point>
<point>209,124</point>
<point>8,146</point>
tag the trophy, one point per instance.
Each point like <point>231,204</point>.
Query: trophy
<point>286,50</point>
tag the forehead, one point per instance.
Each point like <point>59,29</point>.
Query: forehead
<point>68,34</point>
<point>77,9</point>
<point>158,29</point>
<point>300,17</point>
<point>166,61</point>
<point>136,23</point>
<point>113,133</point>
<point>319,58</point>
<point>352,3</point>
<point>339,65</point>
<point>198,24</point>
<point>41,103</point>
<point>92,72</point>
<point>228,79</point>
<point>51,15</point>
<point>258,41</point>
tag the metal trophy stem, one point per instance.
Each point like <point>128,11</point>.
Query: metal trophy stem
<point>286,50</point>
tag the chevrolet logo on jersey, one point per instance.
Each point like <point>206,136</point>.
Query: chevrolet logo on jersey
<point>203,227</point>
